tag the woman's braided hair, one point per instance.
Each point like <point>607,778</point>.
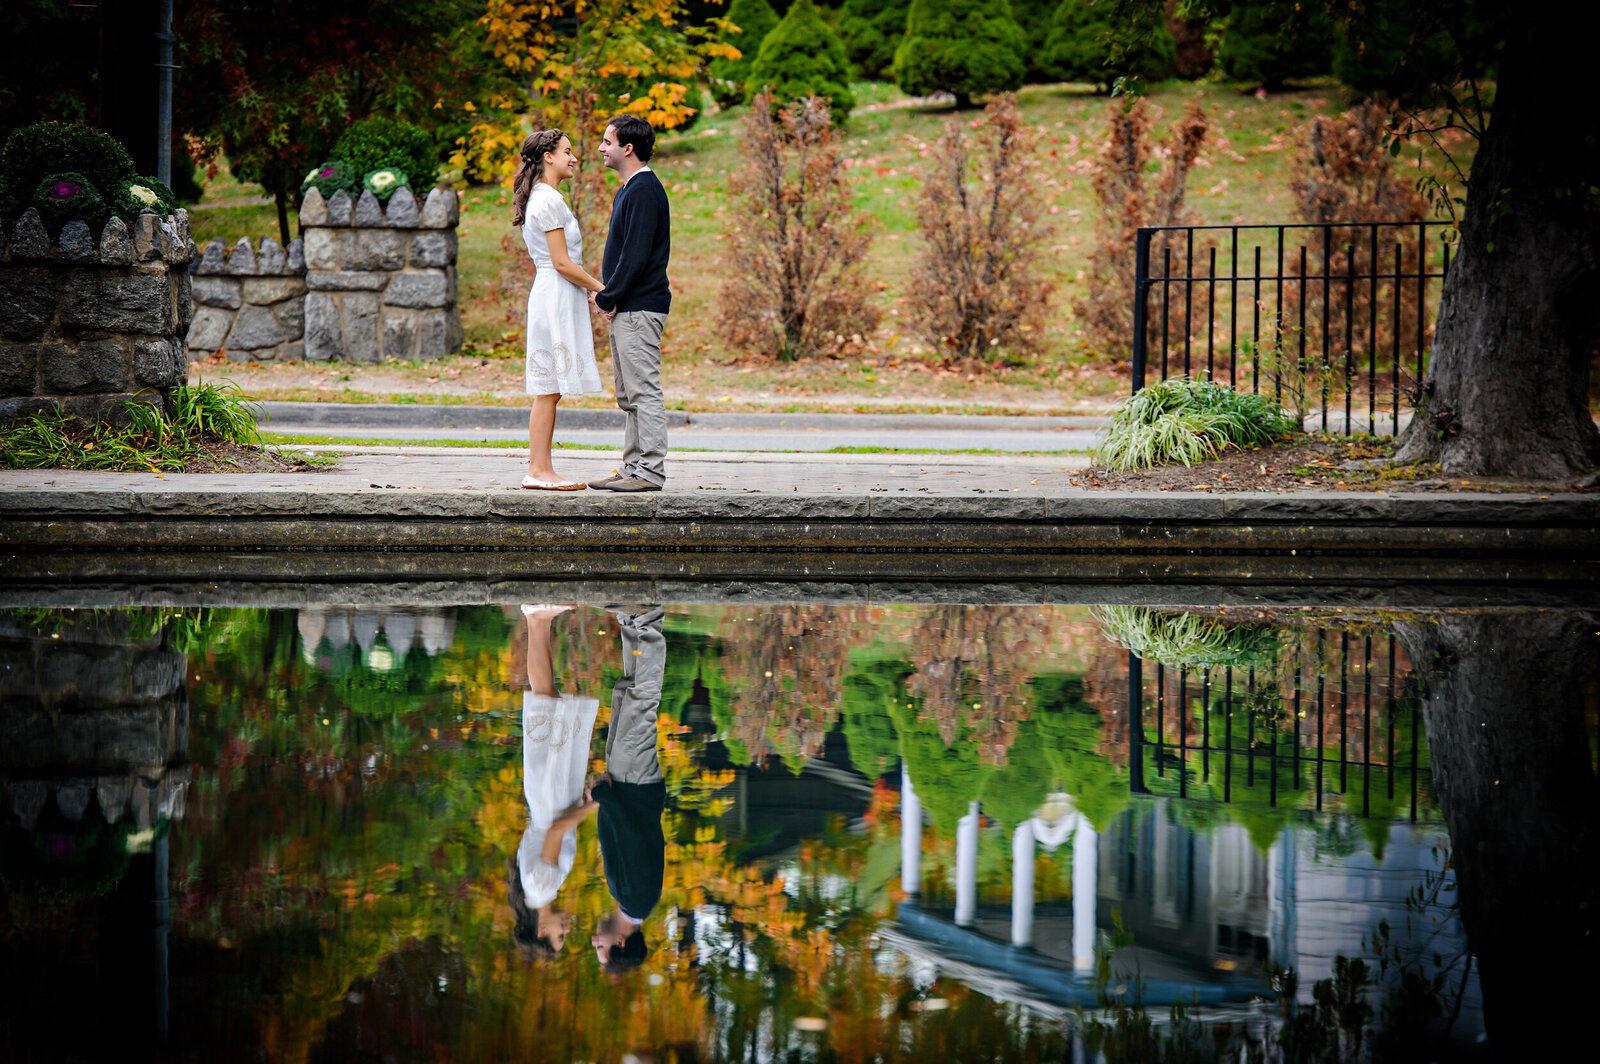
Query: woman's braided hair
<point>530,167</point>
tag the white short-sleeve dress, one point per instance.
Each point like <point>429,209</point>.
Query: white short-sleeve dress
<point>560,344</point>
<point>555,760</point>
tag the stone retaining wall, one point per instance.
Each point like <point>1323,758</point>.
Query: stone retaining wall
<point>87,318</point>
<point>381,279</point>
<point>249,304</point>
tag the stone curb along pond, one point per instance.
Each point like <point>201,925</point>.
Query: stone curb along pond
<point>112,533</point>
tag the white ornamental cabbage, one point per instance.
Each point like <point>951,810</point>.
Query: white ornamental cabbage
<point>145,196</point>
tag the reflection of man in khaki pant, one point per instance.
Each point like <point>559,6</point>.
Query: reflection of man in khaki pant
<point>636,299</point>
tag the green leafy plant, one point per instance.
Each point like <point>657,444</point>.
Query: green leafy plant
<point>132,196</point>
<point>802,57</point>
<point>385,182</point>
<point>1078,47</point>
<point>755,19</point>
<point>1186,420</point>
<point>138,436</point>
<point>963,47</point>
<point>1188,639</point>
<point>382,143</point>
<point>330,177</point>
<point>66,197</point>
<point>35,152</point>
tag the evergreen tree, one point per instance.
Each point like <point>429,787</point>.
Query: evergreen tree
<point>755,19</point>
<point>1034,16</point>
<point>871,31</point>
<point>802,57</point>
<point>1079,47</point>
<point>1271,42</point>
<point>964,47</point>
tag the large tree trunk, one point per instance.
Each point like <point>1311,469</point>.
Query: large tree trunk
<point>1506,698</point>
<point>1507,387</point>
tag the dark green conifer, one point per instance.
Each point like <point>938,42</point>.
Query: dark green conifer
<point>1078,47</point>
<point>802,57</point>
<point>755,19</point>
<point>964,47</point>
<point>1271,42</point>
<point>871,30</point>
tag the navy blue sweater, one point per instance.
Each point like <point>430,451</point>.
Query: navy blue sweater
<point>637,248</point>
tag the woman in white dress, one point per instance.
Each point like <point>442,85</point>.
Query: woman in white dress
<point>556,729</point>
<point>560,344</point>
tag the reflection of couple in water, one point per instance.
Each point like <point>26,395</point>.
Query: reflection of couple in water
<point>629,796</point>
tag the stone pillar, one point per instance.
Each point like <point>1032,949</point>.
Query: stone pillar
<point>910,836</point>
<point>381,280</point>
<point>89,319</point>
<point>967,866</point>
<point>250,303</point>
<point>1085,891</point>
<point>1022,853</point>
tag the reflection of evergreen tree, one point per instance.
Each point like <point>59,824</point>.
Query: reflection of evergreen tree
<point>873,687</point>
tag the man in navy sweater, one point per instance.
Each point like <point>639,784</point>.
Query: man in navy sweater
<point>636,299</point>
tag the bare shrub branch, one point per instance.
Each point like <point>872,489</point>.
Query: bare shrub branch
<point>975,290</point>
<point>1123,204</point>
<point>796,242</point>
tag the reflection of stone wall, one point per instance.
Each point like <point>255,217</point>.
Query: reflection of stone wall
<point>250,306</point>
<point>381,278</point>
<point>432,629</point>
<point>87,319</point>
<point>90,715</point>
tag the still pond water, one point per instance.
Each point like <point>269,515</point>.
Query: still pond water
<point>763,832</point>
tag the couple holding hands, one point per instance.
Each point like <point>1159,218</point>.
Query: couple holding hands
<point>634,296</point>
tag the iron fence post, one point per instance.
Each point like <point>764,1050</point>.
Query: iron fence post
<point>1141,287</point>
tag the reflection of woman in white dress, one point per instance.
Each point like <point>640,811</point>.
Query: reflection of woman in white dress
<point>555,758</point>
<point>560,343</point>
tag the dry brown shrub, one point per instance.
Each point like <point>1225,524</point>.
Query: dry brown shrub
<point>975,291</point>
<point>1343,172</point>
<point>1125,202</point>
<point>795,242</point>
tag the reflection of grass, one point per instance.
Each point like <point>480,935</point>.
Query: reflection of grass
<point>1187,639</point>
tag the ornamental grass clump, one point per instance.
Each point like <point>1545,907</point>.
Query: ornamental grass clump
<point>139,436</point>
<point>1188,640</point>
<point>1185,420</point>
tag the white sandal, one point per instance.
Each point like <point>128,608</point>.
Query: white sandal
<point>553,485</point>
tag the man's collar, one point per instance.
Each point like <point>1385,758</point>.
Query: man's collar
<point>636,173</point>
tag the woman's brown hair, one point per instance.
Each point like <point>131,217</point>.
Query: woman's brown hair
<point>530,167</point>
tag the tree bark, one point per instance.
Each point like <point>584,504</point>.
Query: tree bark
<point>1506,390</point>
<point>1506,698</point>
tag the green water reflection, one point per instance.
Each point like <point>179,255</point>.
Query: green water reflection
<point>305,835</point>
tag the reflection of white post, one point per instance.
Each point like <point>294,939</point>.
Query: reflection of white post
<point>1085,885</point>
<point>910,836</point>
<point>967,866</point>
<point>1022,885</point>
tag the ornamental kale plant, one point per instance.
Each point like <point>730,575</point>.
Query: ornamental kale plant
<point>67,197</point>
<point>329,178</point>
<point>43,149</point>
<point>385,182</point>
<point>129,197</point>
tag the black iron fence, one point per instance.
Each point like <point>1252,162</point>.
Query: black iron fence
<point>1338,721</point>
<point>1320,316</point>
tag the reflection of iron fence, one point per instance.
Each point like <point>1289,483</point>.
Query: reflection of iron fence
<point>1312,725</point>
<point>1309,313</point>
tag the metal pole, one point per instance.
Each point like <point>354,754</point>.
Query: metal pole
<point>1141,287</point>
<point>164,68</point>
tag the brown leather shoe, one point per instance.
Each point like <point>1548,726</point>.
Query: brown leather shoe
<point>628,484</point>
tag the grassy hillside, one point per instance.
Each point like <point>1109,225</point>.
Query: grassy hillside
<point>1242,176</point>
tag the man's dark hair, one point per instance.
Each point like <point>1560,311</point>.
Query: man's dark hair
<point>631,129</point>
<point>629,955</point>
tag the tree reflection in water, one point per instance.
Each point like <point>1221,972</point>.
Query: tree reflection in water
<point>337,874</point>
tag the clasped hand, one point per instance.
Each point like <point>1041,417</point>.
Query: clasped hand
<point>607,314</point>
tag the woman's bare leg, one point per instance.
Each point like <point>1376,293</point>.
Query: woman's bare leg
<point>541,660</point>
<point>541,430</point>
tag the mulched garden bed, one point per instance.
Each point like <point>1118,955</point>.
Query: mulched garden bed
<point>1313,463</point>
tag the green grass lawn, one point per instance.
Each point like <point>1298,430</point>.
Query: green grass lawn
<point>1241,177</point>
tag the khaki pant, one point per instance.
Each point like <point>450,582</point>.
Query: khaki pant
<point>631,740</point>
<point>636,364</point>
